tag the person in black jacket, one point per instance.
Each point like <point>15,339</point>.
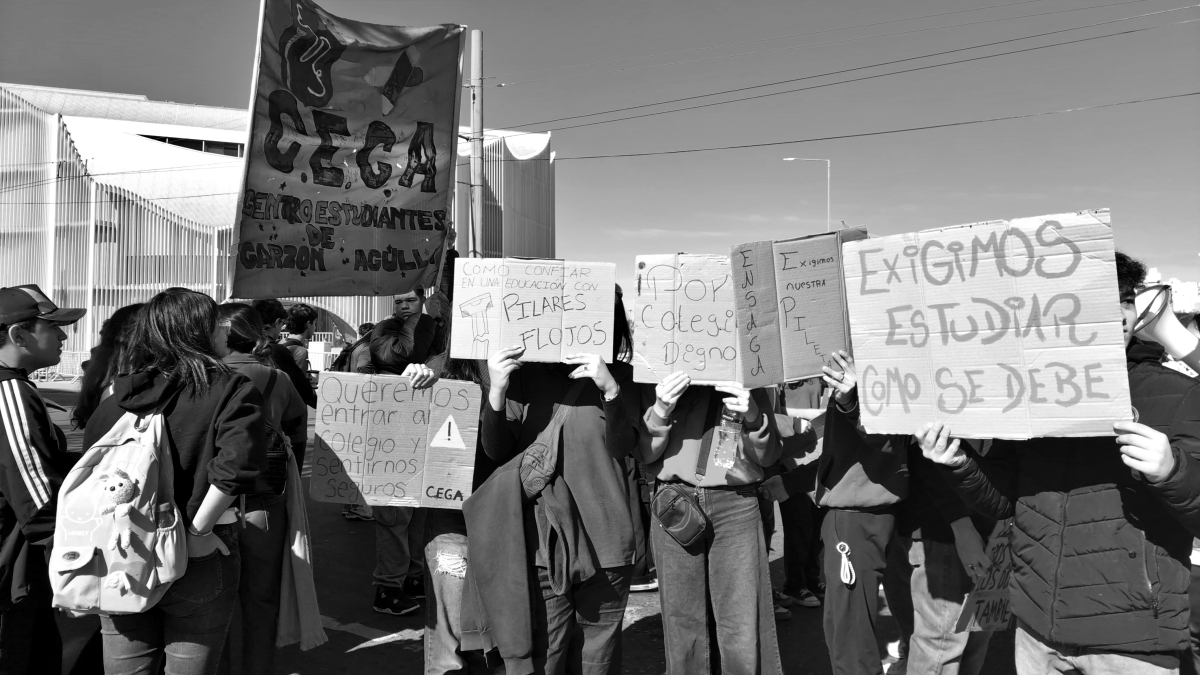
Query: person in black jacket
<point>33,463</point>
<point>1103,526</point>
<point>214,418</point>
<point>274,318</point>
<point>400,345</point>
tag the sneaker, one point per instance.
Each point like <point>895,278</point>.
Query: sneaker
<point>781,599</point>
<point>893,649</point>
<point>782,613</point>
<point>357,512</point>
<point>394,601</point>
<point>818,590</point>
<point>644,584</point>
<point>805,598</point>
<point>414,587</point>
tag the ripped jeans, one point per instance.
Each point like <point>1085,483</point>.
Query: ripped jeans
<point>446,559</point>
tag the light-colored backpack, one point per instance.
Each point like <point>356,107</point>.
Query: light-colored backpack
<point>119,541</point>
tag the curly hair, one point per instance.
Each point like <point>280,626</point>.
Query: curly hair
<point>1131,274</point>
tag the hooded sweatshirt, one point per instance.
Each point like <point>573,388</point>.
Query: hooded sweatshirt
<point>858,470</point>
<point>216,439</point>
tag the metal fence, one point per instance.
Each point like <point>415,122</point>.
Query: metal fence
<point>88,244</point>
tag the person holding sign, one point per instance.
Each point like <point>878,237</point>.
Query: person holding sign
<point>1102,526</point>
<point>707,448</point>
<point>400,345</point>
<point>861,478</point>
<point>563,431</point>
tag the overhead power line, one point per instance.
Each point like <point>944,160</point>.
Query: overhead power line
<point>761,40</point>
<point>745,146</point>
<point>876,133</point>
<point>86,174</point>
<point>850,70</point>
<point>815,44</point>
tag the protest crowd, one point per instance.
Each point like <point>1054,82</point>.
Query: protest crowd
<point>586,485</point>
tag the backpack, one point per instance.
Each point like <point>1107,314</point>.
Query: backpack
<point>345,357</point>
<point>119,540</point>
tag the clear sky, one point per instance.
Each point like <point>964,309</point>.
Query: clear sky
<point>1140,160</point>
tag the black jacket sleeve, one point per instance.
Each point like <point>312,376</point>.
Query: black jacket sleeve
<point>32,462</point>
<point>239,434</point>
<point>500,429</point>
<point>395,343</point>
<point>1181,489</point>
<point>988,484</point>
<point>282,358</point>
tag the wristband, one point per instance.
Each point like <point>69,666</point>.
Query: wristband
<point>197,533</point>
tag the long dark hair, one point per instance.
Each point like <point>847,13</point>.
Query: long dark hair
<point>173,334</point>
<point>102,367</point>
<point>245,331</point>
<point>623,342</point>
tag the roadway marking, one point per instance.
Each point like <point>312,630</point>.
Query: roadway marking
<point>374,636</point>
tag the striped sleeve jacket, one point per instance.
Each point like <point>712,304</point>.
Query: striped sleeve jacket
<point>33,463</point>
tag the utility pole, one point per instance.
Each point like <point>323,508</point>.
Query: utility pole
<point>476,224</point>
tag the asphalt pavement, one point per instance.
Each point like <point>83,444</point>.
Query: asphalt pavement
<point>364,642</point>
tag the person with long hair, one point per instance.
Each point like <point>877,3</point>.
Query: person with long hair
<point>101,368</point>
<point>710,446</point>
<point>564,431</point>
<point>264,540</point>
<point>214,418</point>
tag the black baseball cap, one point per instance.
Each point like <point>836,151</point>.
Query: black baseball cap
<point>21,303</point>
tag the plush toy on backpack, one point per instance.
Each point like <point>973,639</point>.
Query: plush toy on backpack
<point>120,491</point>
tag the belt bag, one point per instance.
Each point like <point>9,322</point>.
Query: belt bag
<point>678,513</point>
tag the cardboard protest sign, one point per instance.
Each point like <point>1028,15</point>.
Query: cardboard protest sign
<point>381,442</point>
<point>350,156</point>
<point>987,606</point>
<point>551,307</point>
<point>791,306</point>
<point>684,319</point>
<point>1002,329</point>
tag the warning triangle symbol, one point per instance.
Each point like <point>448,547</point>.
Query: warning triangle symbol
<point>448,436</point>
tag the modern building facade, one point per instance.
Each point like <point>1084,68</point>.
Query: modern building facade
<point>107,199</point>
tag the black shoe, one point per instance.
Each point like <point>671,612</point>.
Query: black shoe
<point>394,601</point>
<point>414,587</point>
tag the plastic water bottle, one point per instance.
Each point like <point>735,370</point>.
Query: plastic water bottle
<point>729,439</point>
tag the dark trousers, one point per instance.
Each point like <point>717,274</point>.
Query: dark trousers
<point>579,632</point>
<point>850,610</point>
<point>262,545</point>
<point>639,504</point>
<point>29,640</point>
<point>716,594</point>
<point>801,543</point>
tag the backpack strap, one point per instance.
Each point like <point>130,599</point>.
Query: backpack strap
<point>270,384</point>
<point>540,460</point>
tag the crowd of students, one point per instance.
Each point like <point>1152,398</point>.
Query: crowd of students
<point>588,485</point>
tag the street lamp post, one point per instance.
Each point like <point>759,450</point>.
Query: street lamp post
<point>828,181</point>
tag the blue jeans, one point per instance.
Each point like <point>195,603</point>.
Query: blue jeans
<point>579,632</point>
<point>446,558</point>
<point>187,627</point>
<point>399,536</point>
<point>1037,657</point>
<point>717,593</point>
<point>939,585</point>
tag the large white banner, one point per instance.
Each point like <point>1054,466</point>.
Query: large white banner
<point>1002,329</point>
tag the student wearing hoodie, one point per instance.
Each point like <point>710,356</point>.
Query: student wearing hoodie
<point>1102,526</point>
<point>263,541</point>
<point>215,423</point>
<point>861,478</point>
<point>33,463</point>
<point>719,585</point>
<point>563,527</point>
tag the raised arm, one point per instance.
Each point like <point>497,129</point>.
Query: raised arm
<point>500,425</point>
<point>1170,463</point>
<point>657,419</point>
<point>988,484</point>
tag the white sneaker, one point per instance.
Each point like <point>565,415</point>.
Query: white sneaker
<point>651,585</point>
<point>893,649</point>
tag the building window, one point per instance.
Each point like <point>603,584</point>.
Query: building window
<point>215,147</point>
